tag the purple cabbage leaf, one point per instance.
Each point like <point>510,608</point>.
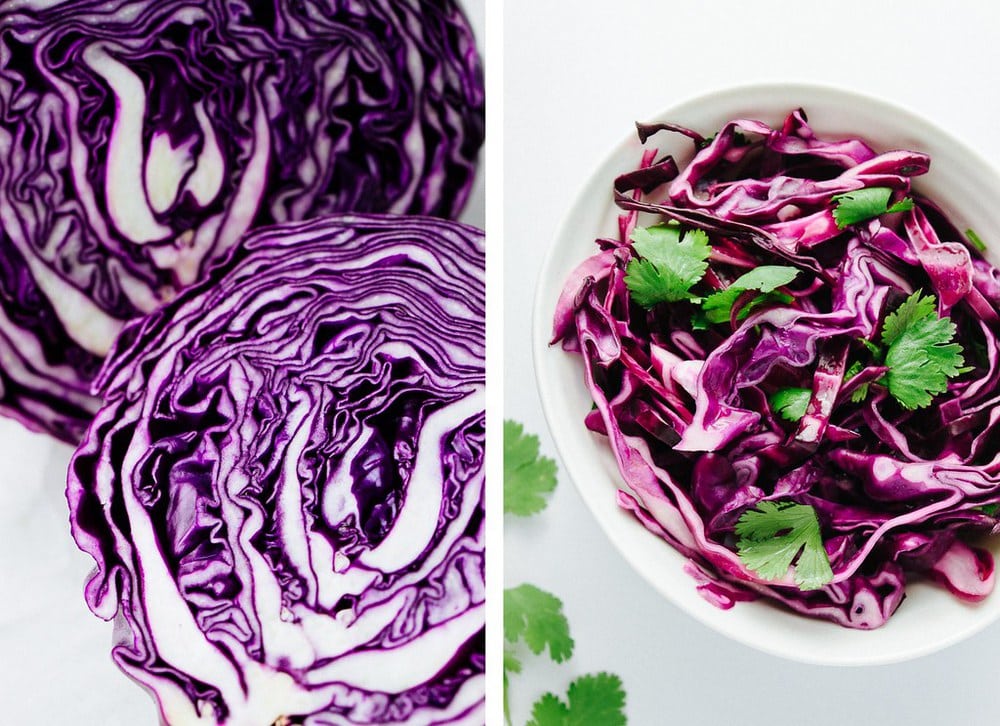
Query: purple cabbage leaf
<point>141,139</point>
<point>283,491</point>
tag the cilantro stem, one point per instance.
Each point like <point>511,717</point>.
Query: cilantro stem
<point>976,241</point>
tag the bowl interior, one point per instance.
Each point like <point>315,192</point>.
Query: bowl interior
<point>967,189</point>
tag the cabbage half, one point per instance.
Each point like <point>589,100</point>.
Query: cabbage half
<point>284,490</point>
<point>141,139</point>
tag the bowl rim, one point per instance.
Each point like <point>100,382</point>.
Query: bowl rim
<point>604,512</point>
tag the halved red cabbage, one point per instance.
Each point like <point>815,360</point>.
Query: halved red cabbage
<point>284,489</point>
<point>686,407</point>
<point>141,139</point>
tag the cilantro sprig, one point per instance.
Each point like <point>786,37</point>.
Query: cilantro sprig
<point>861,205</point>
<point>920,351</point>
<point>670,262</point>
<point>592,700</point>
<point>528,477</point>
<point>775,535</point>
<point>534,618</point>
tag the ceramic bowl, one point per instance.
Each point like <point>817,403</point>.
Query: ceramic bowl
<point>968,189</point>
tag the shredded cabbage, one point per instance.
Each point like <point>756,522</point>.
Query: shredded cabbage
<point>863,388</point>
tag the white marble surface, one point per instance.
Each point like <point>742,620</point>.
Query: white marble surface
<point>55,662</point>
<point>576,77</point>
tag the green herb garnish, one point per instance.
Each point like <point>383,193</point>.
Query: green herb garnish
<point>860,393</point>
<point>791,403</point>
<point>767,278</point>
<point>975,240</point>
<point>776,534</point>
<point>920,352</point>
<point>671,261</point>
<point>864,204</point>
<point>527,476</point>
<point>592,700</point>
<point>536,616</point>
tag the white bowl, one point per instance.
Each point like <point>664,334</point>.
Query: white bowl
<point>968,189</point>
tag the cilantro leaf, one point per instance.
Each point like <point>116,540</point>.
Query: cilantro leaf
<point>916,307</point>
<point>767,297</point>
<point>975,240</point>
<point>592,700</point>
<point>654,243</point>
<point>668,246</point>
<point>526,475</point>
<point>718,306</point>
<point>537,617</point>
<point>511,664</point>
<point>921,354</point>
<point>791,403</point>
<point>990,510</point>
<point>872,348</point>
<point>774,534</point>
<point>671,264</point>
<point>766,278</point>
<point>549,711</point>
<point>651,284</point>
<point>860,393</point>
<point>699,321</point>
<point>864,204</point>
<point>706,142</point>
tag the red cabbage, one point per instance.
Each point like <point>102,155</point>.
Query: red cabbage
<point>141,139</point>
<point>692,407</point>
<point>284,489</point>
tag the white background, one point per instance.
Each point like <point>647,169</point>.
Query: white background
<point>577,75</point>
<point>55,661</point>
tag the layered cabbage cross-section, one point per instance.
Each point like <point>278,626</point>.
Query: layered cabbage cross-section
<point>140,140</point>
<point>284,490</point>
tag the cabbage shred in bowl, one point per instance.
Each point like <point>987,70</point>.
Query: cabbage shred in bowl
<point>795,365</point>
